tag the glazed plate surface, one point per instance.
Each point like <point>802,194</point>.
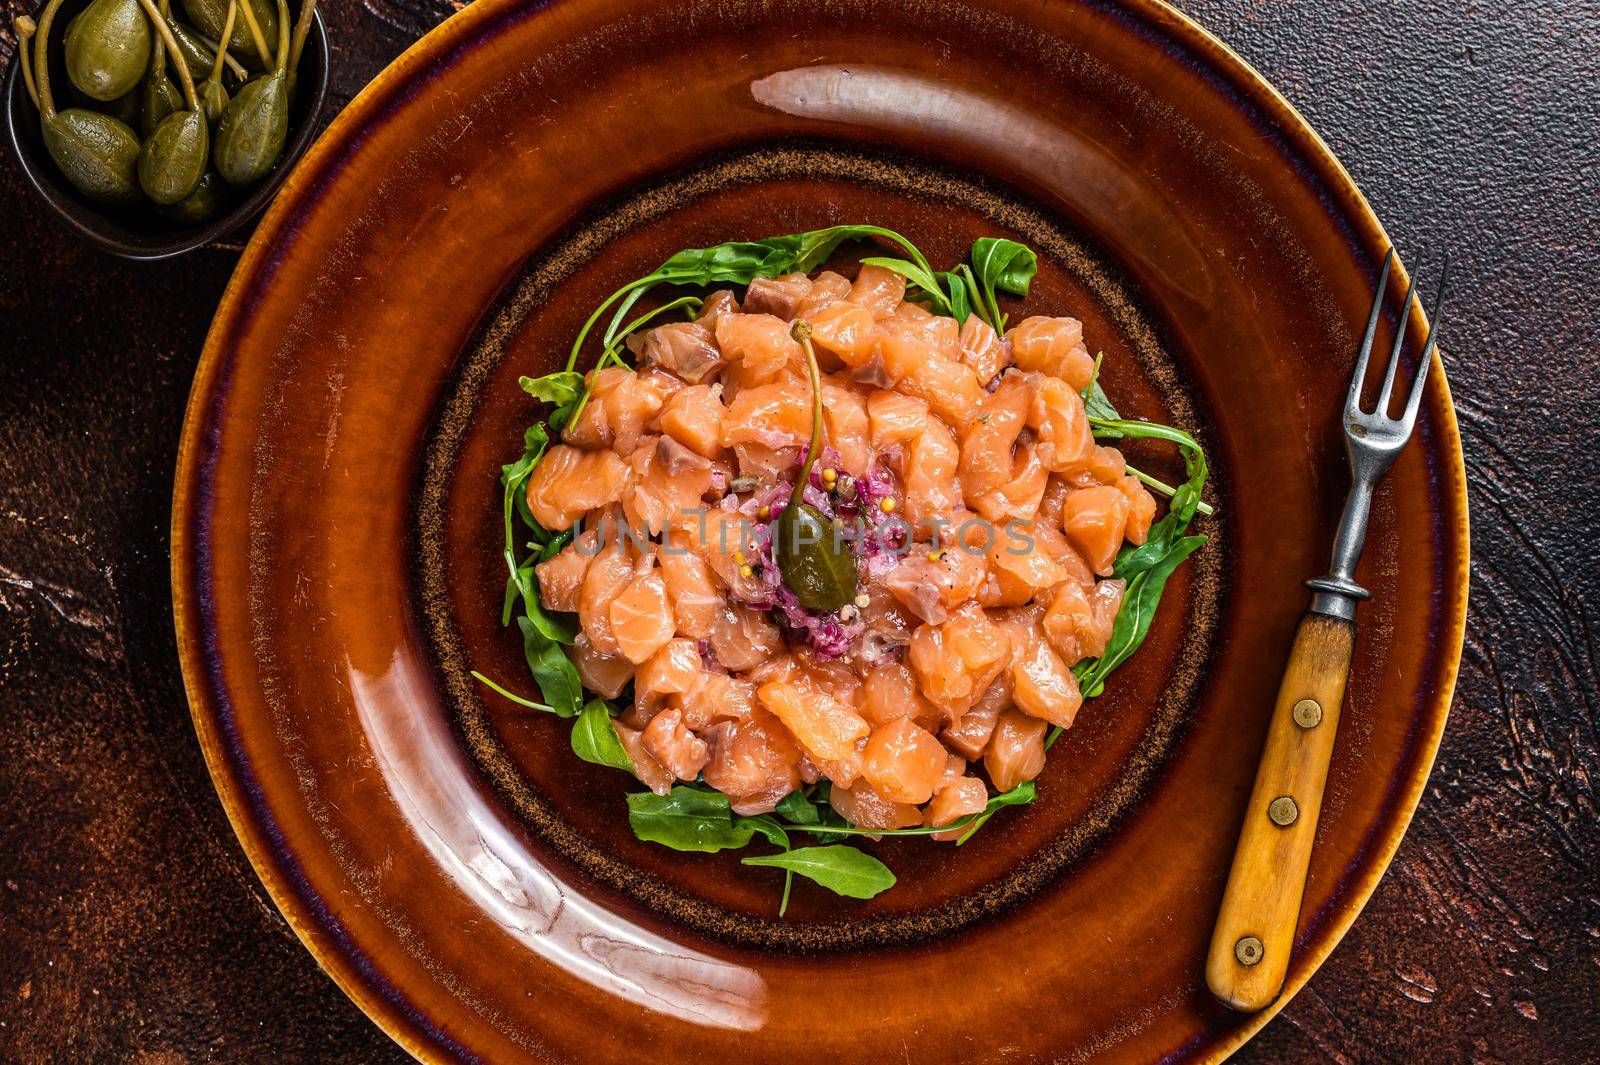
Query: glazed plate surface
<point>470,883</point>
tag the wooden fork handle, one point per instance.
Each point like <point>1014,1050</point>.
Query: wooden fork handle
<point>1255,930</point>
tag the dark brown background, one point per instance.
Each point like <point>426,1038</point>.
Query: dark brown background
<point>132,928</point>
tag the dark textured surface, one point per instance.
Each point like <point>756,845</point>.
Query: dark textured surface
<point>132,928</point>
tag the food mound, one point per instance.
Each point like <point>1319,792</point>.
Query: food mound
<point>836,558</point>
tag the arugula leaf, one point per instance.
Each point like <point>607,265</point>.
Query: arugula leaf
<point>687,819</point>
<point>552,670</point>
<point>798,810</point>
<point>594,738</point>
<point>512,478</point>
<point>925,281</point>
<point>841,869</point>
<point>767,825</point>
<point>1020,795</point>
<point>1138,609</point>
<point>559,387</point>
<point>1002,265</point>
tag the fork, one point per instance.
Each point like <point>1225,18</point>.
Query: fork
<point>1250,947</point>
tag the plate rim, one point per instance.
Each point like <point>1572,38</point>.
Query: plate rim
<point>362,987</point>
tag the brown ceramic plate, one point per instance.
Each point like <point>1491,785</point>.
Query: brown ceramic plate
<point>471,884</point>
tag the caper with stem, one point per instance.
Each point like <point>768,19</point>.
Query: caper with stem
<point>213,94</point>
<point>97,154</point>
<point>24,26</point>
<point>255,124</point>
<point>158,95</point>
<point>107,48</point>
<point>198,51</point>
<point>252,35</point>
<point>302,29</point>
<point>173,159</point>
<point>816,565</point>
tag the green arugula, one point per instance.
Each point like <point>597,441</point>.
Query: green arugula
<point>594,737</point>
<point>1004,266</point>
<point>842,870</point>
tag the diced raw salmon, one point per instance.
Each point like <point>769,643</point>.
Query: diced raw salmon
<point>568,483</point>
<point>900,356</point>
<point>954,797</point>
<point>846,331</point>
<point>742,639</point>
<point>937,331</point>
<point>672,670</point>
<point>865,808</point>
<point>844,424</point>
<point>766,464</point>
<point>886,627</point>
<point>717,304</point>
<point>560,578</point>
<point>1020,567</point>
<point>1052,346</point>
<point>651,773</point>
<point>606,674</point>
<point>950,389</point>
<point>1078,623</point>
<point>687,349</point>
<point>755,762</point>
<point>623,403</point>
<point>1016,750</point>
<point>931,588</point>
<point>928,473</point>
<point>1099,465</point>
<point>889,692</point>
<point>693,417</point>
<point>758,345</point>
<point>777,296</point>
<point>980,348</point>
<point>827,288</point>
<point>823,726</point>
<point>609,572</point>
<point>1058,419</point>
<point>1018,498</point>
<point>671,743</point>
<point>718,697</point>
<point>969,736</point>
<point>1043,686</point>
<point>895,419</point>
<point>955,662</point>
<point>1141,509</point>
<point>690,586</point>
<point>988,444</point>
<point>724,539</point>
<point>775,415</point>
<point>1094,520</point>
<point>878,290</point>
<point>641,617</point>
<point>903,762</point>
<point>657,496</point>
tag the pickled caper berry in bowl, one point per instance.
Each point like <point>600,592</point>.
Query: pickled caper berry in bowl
<point>154,127</point>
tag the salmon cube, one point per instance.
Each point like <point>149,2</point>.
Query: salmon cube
<point>950,389</point>
<point>609,572</point>
<point>878,290</point>
<point>846,331</point>
<point>1141,509</point>
<point>1094,520</point>
<point>824,727</point>
<point>718,697</point>
<point>955,662</point>
<point>778,296</point>
<point>651,773</point>
<point>928,472</point>
<point>755,762</point>
<point>865,808</point>
<point>568,483</point>
<point>952,802</point>
<point>560,577</point>
<point>827,288</point>
<point>979,347</point>
<point>1016,750</point>
<point>895,419</point>
<point>602,673</point>
<point>939,332</point>
<point>690,585</point>
<point>1043,686</point>
<point>693,417</point>
<point>903,762</point>
<point>641,618</point>
<point>1059,421</point>
<point>969,736</point>
<point>672,670</point>
<point>1052,346</point>
<point>670,742</point>
<point>775,415</point>
<point>844,423</point>
<point>688,350</point>
<point>889,693</point>
<point>758,345</point>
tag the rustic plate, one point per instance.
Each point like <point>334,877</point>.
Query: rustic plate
<point>472,885</point>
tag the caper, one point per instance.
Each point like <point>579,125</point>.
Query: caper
<point>255,123</point>
<point>158,95</point>
<point>173,158</point>
<point>95,152</point>
<point>195,51</point>
<point>108,48</point>
<point>209,16</point>
<point>816,565</point>
<point>207,200</point>
<point>213,94</point>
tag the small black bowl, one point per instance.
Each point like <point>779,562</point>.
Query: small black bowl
<point>137,232</point>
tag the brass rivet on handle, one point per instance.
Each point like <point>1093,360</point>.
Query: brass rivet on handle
<point>1283,811</point>
<point>1308,713</point>
<point>1248,950</point>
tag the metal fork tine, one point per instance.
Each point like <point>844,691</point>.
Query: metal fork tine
<point>1382,409</point>
<point>1353,403</point>
<point>1436,315</point>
